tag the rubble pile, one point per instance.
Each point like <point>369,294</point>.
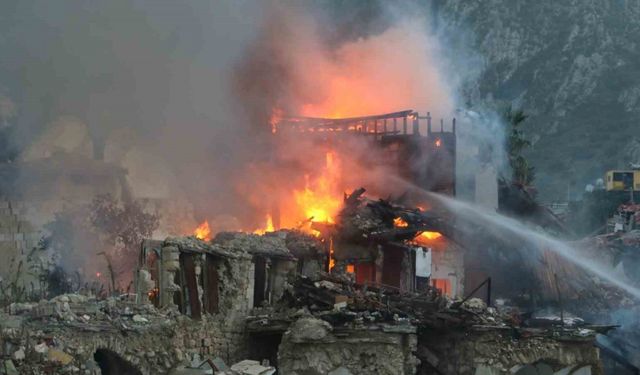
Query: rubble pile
<point>343,299</point>
<point>341,302</point>
<point>363,219</point>
<point>63,334</point>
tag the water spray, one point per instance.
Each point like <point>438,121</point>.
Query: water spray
<point>496,221</point>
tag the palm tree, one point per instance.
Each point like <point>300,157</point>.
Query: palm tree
<point>522,172</point>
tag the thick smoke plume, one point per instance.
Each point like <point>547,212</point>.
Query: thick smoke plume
<point>293,68</point>
<point>172,103</point>
<point>296,66</point>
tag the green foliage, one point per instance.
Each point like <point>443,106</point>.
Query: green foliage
<point>522,172</point>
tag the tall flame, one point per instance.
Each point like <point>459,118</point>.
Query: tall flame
<point>203,232</point>
<point>320,200</point>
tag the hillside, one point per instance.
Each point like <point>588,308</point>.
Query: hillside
<point>574,66</point>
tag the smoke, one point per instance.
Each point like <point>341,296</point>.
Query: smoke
<point>294,67</point>
<point>122,97</point>
<point>297,65</point>
<point>170,103</point>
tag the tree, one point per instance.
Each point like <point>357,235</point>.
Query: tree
<point>123,226</point>
<point>522,172</point>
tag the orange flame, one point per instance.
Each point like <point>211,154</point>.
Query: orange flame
<point>351,268</point>
<point>203,232</point>
<point>320,200</point>
<point>267,228</point>
<point>430,239</point>
<point>332,261</point>
<point>430,235</point>
<point>400,223</point>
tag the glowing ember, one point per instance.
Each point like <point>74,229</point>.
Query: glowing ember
<point>351,268</point>
<point>153,293</point>
<point>400,223</point>
<point>203,232</point>
<point>268,226</point>
<point>332,262</point>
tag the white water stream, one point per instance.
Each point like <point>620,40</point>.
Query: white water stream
<point>508,225</point>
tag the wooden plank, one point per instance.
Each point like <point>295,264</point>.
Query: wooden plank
<point>260,281</point>
<point>349,119</point>
<point>189,271</point>
<point>211,293</point>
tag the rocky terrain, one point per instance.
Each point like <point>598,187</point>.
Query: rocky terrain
<point>572,65</point>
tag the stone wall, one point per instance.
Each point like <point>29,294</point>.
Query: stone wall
<point>313,346</point>
<point>152,348</point>
<point>494,352</point>
<point>73,327</point>
<point>235,297</point>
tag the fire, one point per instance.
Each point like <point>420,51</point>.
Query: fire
<point>361,77</point>
<point>203,232</point>
<point>332,261</point>
<point>422,237</point>
<point>153,293</point>
<point>320,201</point>
<point>427,237</point>
<point>438,142</point>
<point>276,117</point>
<point>268,226</point>
<point>431,235</point>
<point>400,223</point>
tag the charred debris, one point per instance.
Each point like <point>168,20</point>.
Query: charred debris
<point>352,297</point>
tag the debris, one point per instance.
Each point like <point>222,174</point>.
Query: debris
<point>41,348</point>
<point>340,371</point>
<point>55,355</point>
<point>309,328</point>
<point>18,355</point>
<point>250,367</point>
<point>140,319</point>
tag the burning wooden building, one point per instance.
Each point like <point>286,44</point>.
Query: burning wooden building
<point>415,152</point>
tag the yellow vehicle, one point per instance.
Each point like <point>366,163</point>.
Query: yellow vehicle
<point>620,180</point>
